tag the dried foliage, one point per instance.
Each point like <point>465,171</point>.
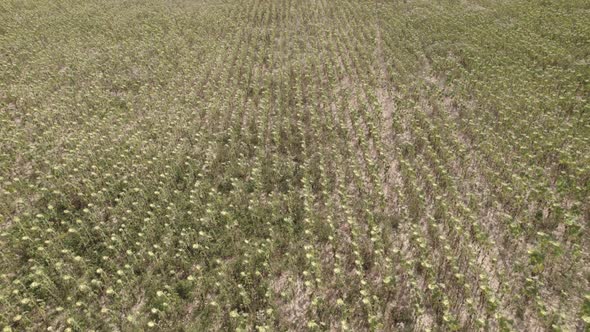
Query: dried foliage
<point>294,165</point>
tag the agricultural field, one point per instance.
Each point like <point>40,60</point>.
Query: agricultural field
<point>294,165</point>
